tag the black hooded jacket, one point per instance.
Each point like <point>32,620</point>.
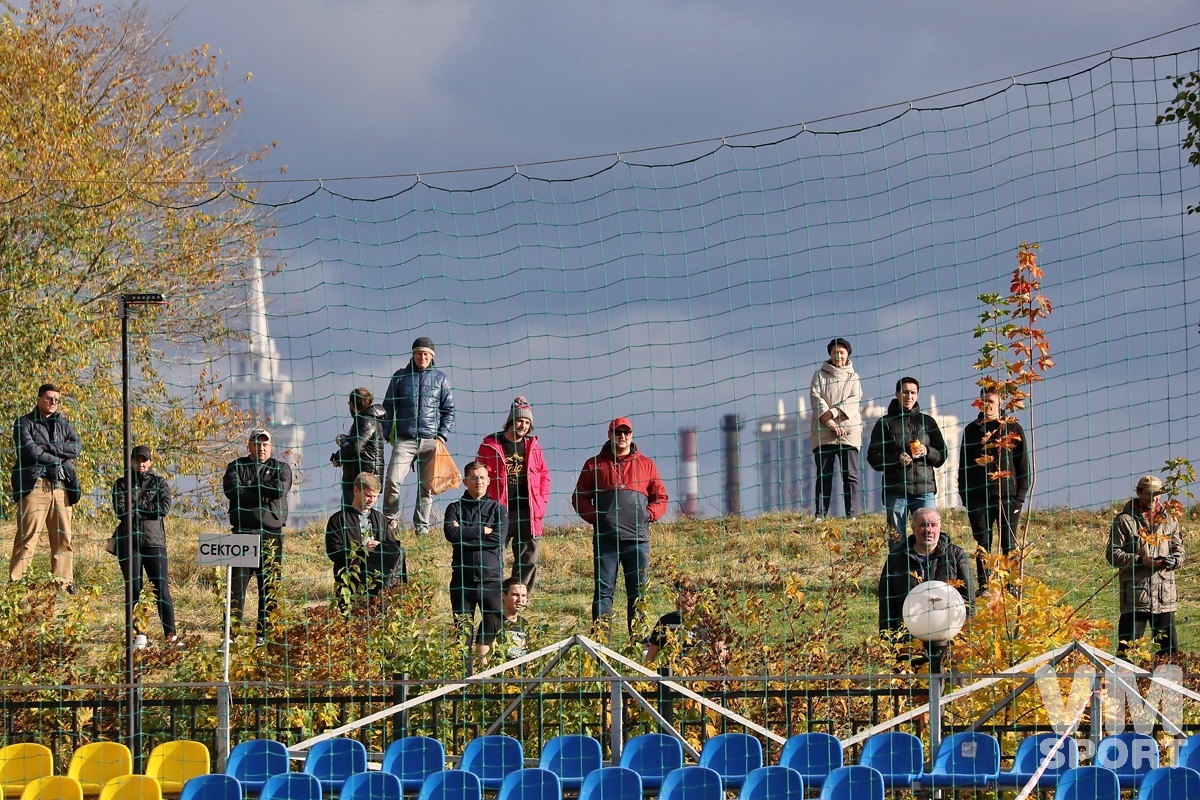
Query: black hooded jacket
<point>903,570</point>
<point>975,488</point>
<point>362,447</point>
<point>891,436</point>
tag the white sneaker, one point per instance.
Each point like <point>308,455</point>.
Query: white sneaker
<point>140,642</point>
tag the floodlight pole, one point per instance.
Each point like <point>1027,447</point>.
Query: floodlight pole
<point>134,695</point>
<point>936,651</point>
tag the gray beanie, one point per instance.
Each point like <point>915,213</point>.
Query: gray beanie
<point>520,410</point>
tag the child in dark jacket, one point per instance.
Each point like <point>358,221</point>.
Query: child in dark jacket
<point>475,524</point>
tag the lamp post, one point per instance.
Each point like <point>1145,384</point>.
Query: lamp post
<point>934,612</point>
<point>134,695</point>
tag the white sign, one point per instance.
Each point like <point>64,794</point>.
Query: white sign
<point>229,550</point>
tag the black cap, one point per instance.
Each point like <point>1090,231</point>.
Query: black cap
<point>840,342</point>
<point>422,343</point>
<point>141,451</point>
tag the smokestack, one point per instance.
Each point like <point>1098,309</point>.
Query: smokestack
<point>689,474</point>
<point>732,462</point>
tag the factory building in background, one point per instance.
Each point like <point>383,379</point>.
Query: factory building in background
<point>787,472</point>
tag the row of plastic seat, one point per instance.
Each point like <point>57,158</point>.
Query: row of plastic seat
<point>94,765</point>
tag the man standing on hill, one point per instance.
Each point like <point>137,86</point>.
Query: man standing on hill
<point>993,491</point>
<point>419,410</point>
<point>907,447</point>
<point>45,487</point>
<point>1146,546</point>
<point>924,556</point>
<point>619,494</point>
<point>257,487</point>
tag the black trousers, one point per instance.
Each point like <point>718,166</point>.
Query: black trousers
<point>525,546</point>
<point>152,561</point>
<point>1132,626</point>
<point>1004,516</point>
<point>632,558</point>
<point>268,571</point>
<point>485,596</point>
<point>825,456</point>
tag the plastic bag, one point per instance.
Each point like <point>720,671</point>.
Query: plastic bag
<point>439,472</point>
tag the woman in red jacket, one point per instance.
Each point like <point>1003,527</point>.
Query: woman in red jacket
<point>521,483</point>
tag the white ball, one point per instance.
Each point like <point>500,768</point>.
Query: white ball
<point>934,611</point>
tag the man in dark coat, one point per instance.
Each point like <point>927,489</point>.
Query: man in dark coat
<point>927,555</point>
<point>619,493</point>
<point>360,450</point>
<point>151,504</point>
<point>419,410</point>
<point>366,555</point>
<point>475,525</point>
<point>257,487</point>
<point>45,486</point>
<point>993,491</point>
<point>907,447</point>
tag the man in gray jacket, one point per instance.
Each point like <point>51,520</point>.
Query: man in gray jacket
<point>419,410</point>
<point>1146,546</point>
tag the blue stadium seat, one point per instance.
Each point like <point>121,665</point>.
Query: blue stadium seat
<point>772,783</point>
<point>968,760</point>
<point>652,756</point>
<point>451,784</point>
<point>1088,783</point>
<point>612,783</point>
<point>853,783</point>
<point>1170,783</point>
<point>531,784</point>
<point>1030,752</point>
<point>253,762</point>
<point>212,787</point>
<point>291,786</point>
<point>899,757</point>
<point>814,755</point>
<point>491,758</point>
<point>1129,754</point>
<point>692,783</point>
<point>413,759</point>
<point>572,758</point>
<point>332,761</point>
<point>733,756</point>
<point>1189,753</point>
<point>377,785</point>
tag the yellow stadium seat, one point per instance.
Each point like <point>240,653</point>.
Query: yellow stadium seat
<point>173,764</point>
<point>131,787</point>
<point>95,764</point>
<point>55,787</point>
<point>20,764</point>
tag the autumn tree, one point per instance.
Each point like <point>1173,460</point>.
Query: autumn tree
<point>116,175</point>
<point>1185,108</point>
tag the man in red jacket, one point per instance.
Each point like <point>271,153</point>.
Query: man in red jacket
<point>619,493</point>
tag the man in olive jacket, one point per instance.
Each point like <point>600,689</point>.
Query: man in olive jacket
<point>257,487</point>
<point>927,555</point>
<point>907,447</point>
<point>1146,545</point>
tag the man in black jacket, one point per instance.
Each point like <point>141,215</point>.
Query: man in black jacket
<point>356,538</point>
<point>924,556</point>
<point>993,491</point>
<point>475,525</point>
<point>360,450</point>
<point>257,487</point>
<point>151,504</point>
<point>45,486</point>
<point>907,447</point>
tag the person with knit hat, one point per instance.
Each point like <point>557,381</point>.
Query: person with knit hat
<point>522,484</point>
<point>418,411</point>
<point>836,395</point>
<point>619,493</point>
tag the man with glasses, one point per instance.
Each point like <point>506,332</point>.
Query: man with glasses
<point>45,486</point>
<point>619,494</point>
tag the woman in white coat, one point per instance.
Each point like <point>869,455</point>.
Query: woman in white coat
<point>837,426</point>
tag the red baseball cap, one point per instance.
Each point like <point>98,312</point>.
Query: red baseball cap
<point>619,422</point>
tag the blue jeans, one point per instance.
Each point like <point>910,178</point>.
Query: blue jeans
<point>631,557</point>
<point>897,506</point>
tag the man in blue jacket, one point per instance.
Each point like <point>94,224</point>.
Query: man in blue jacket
<point>419,410</point>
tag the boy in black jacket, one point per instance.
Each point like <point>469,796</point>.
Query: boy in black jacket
<point>356,538</point>
<point>475,524</point>
<point>151,504</point>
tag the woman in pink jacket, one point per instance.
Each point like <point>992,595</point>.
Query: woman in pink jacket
<point>522,483</point>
